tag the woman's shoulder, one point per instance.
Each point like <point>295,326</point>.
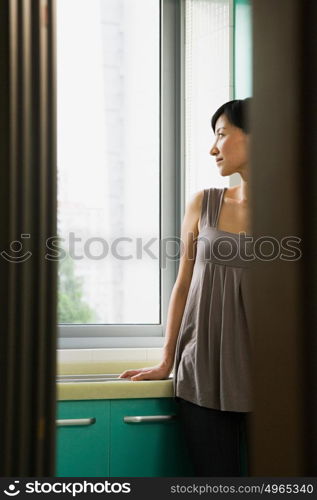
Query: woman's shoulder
<point>194,206</point>
<point>195,201</point>
<point>193,209</point>
<point>230,192</point>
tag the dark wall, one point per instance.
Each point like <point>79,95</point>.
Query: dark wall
<point>284,204</point>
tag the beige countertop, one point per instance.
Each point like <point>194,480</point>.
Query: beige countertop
<point>122,389</point>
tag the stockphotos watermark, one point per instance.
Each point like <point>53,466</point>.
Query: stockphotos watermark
<point>224,248</point>
<point>161,487</point>
<point>72,488</point>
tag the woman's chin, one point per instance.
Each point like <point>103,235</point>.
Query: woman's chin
<point>223,172</point>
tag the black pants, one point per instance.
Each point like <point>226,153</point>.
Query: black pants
<point>213,439</point>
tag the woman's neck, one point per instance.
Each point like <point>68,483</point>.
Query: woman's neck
<point>244,191</point>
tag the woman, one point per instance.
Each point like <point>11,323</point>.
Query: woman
<point>207,333</point>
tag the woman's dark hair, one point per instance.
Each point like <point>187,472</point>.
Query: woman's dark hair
<point>237,112</point>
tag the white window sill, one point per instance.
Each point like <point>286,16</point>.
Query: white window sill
<point>91,356</point>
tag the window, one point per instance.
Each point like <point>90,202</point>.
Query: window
<point>116,169</point>
<point>208,84</point>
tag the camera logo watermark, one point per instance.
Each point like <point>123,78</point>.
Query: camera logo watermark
<point>15,248</point>
<point>12,490</point>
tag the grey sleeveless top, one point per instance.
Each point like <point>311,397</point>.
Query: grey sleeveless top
<point>213,350</point>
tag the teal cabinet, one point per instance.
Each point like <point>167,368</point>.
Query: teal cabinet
<point>98,439</point>
<point>146,439</point>
<point>82,438</point>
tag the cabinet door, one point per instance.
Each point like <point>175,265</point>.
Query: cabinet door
<point>82,439</point>
<point>146,448</point>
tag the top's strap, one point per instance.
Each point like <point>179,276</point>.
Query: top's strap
<point>211,206</point>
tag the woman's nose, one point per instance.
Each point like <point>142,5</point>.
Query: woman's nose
<point>214,150</point>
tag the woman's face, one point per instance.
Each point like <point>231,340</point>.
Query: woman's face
<point>231,147</point>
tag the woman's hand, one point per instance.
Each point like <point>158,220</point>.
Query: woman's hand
<point>158,372</point>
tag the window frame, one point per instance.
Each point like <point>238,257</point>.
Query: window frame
<point>77,336</point>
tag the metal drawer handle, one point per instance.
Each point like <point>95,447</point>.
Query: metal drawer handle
<point>148,418</point>
<point>75,421</point>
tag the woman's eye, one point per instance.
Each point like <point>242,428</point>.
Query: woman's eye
<point>220,135</point>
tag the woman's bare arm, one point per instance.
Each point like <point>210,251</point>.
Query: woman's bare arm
<point>178,297</point>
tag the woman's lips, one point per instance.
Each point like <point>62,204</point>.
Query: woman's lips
<point>219,160</point>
